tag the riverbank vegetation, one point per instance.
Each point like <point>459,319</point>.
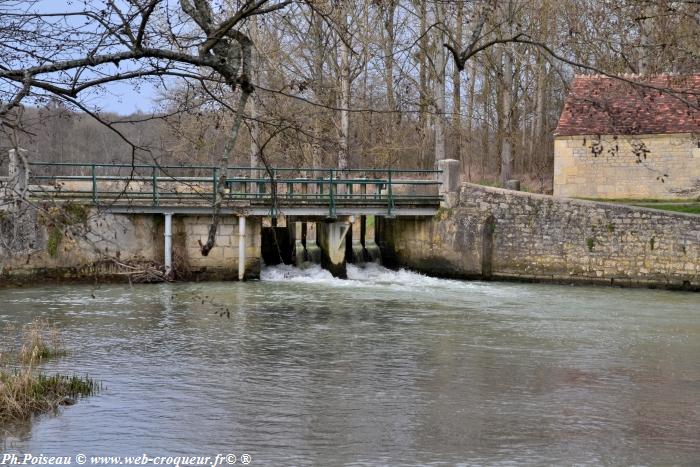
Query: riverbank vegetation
<point>24,389</point>
<point>678,205</point>
<point>688,208</point>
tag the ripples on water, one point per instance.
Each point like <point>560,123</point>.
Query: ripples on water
<point>387,367</point>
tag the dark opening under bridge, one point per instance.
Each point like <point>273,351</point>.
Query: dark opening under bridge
<point>271,214</point>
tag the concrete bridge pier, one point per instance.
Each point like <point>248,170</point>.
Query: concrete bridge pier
<point>355,242</point>
<point>331,238</point>
<point>241,248</point>
<point>310,242</point>
<point>168,247</point>
<point>370,245</point>
<point>297,232</point>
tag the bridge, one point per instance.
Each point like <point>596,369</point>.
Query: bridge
<point>329,193</point>
<point>281,214</point>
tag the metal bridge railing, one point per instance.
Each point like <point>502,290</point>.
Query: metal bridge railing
<point>156,185</point>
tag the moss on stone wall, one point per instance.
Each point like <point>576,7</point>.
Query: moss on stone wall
<point>74,213</point>
<point>54,240</point>
<point>65,214</point>
<point>59,217</point>
<point>443,214</point>
<point>590,243</point>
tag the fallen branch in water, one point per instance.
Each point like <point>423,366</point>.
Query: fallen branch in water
<point>141,271</point>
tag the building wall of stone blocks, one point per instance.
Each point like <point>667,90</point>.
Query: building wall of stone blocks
<point>608,168</point>
<point>542,237</point>
<point>222,260</point>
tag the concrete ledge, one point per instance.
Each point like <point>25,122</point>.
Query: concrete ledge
<point>598,281</point>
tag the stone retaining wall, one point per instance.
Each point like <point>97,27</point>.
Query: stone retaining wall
<point>32,249</point>
<point>507,234</point>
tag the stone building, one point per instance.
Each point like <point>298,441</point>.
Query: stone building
<point>616,140</point>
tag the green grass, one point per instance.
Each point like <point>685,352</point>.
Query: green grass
<point>680,205</point>
<point>40,341</point>
<point>686,208</point>
<point>25,392</point>
<point>641,200</point>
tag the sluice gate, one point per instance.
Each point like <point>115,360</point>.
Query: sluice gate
<point>332,244</point>
<point>163,214</point>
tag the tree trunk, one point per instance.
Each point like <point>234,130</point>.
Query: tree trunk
<point>470,118</point>
<point>254,126</point>
<point>507,112</point>
<point>317,87</point>
<point>498,108</point>
<point>389,40</point>
<point>424,97</point>
<point>439,83</point>
<point>538,133</point>
<point>645,24</point>
<point>344,101</point>
<point>457,91</point>
<point>220,191</point>
<point>485,146</point>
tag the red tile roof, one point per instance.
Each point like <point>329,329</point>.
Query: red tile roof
<point>600,105</point>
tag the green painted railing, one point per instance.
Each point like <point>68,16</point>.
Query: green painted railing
<point>156,185</point>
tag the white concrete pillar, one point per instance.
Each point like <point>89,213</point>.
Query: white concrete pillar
<point>331,240</point>
<point>241,248</point>
<point>168,251</point>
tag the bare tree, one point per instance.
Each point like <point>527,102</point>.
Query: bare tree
<point>93,47</point>
<point>348,82</point>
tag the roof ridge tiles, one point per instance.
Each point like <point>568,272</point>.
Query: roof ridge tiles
<point>601,104</point>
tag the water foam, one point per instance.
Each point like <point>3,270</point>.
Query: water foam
<point>288,273</point>
<point>369,275</point>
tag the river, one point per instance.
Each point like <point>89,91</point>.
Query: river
<point>384,368</point>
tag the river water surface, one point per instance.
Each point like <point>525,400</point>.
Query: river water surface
<point>385,368</point>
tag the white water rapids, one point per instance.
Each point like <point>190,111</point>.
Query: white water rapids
<point>367,275</point>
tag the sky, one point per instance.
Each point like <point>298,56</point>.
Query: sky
<point>119,97</point>
<point>123,99</point>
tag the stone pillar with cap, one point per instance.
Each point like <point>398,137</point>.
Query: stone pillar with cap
<point>449,181</point>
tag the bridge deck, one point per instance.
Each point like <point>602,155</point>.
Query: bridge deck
<point>250,191</point>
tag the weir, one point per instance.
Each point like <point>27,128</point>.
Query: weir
<point>162,214</point>
<point>109,220</point>
<point>331,244</point>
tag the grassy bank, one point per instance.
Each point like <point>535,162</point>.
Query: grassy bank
<point>684,206</point>
<point>25,391</point>
<point>688,208</point>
